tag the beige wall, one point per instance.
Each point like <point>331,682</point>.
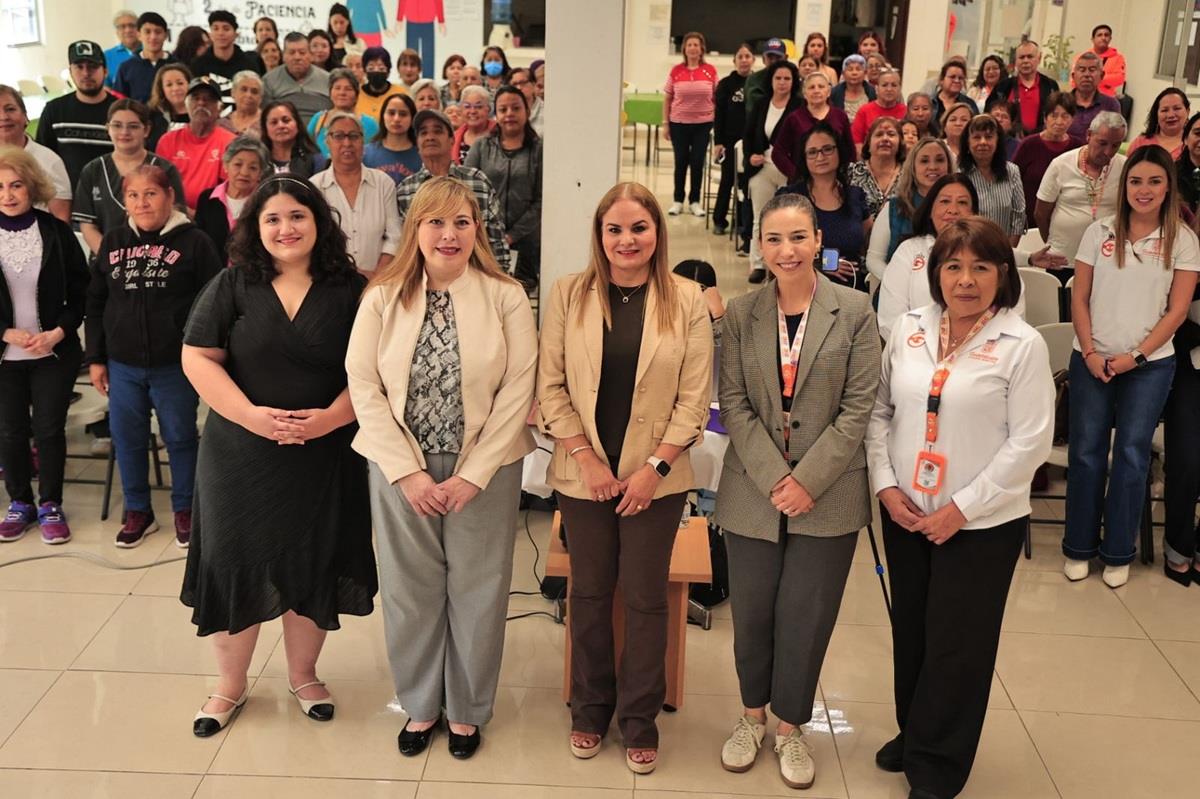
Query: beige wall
<point>63,21</point>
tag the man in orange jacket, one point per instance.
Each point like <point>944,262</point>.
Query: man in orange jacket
<point>1113,75</point>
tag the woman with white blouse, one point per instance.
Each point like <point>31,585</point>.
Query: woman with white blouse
<point>1134,277</point>
<point>954,486</point>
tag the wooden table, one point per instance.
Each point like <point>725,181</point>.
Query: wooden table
<point>690,563</point>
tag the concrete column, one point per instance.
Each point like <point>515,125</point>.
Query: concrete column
<point>584,48</point>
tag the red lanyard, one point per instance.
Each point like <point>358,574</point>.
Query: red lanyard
<point>942,374</point>
<point>789,354</point>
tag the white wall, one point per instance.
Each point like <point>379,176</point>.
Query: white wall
<point>63,22</point>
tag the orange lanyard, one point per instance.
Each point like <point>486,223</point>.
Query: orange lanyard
<point>942,374</point>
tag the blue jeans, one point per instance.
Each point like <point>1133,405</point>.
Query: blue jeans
<point>1132,404</point>
<point>419,37</point>
<point>132,392</point>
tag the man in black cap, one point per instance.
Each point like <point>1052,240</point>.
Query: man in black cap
<point>76,125</point>
<point>757,89</point>
<point>225,59</point>
<point>135,77</point>
<point>435,136</point>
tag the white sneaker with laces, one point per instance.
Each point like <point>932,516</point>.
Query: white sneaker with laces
<point>739,752</point>
<point>796,764</point>
<point>1116,576</point>
<point>1075,570</point>
<point>676,209</point>
<point>697,210</point>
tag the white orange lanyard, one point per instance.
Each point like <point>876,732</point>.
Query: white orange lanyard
<point>789,353</point>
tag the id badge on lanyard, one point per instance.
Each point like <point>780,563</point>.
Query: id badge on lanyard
<point>929,473</point>
<point>789,356</point>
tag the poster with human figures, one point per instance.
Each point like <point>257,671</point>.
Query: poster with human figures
<point>436,29</point>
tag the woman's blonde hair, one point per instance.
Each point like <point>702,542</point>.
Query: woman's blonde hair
<point>598,274</point>
<point>906,183</point>
<point>437,198</point>
<point>41,189</point>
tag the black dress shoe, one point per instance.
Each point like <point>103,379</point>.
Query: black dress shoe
<point>1184,578</point>
<point>890,756</point>
<point>413,743</point>
<point>720,230</point>
<point>463,746</point>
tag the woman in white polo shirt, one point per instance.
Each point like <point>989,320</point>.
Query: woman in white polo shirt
<point>1134,277</point>
<point>954,486</point>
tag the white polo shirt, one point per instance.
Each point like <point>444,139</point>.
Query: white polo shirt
<point>54,167</point>
<point>1067,187</point>
<point>995,422</point>
<point>1127,303</point>
<point>905,283</point>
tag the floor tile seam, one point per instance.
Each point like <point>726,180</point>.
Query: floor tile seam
<point>33,707</point>
<point>99,629</point>
<point>252,683</point>
<point>1171,666</point>
<point>1123,716</point>
<point>1033,743</point>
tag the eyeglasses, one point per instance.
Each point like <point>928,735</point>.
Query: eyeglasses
<point>518,84</point>
<point>132,127</point>
<point>827,150</point>
<point>343,137</point>
<point>473,106</point>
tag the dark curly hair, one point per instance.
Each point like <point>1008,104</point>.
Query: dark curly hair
<point>330,259</point>
<point>304,145</point>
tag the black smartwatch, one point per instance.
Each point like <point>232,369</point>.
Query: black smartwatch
<point>662,467</point>
<point>1139,359</point>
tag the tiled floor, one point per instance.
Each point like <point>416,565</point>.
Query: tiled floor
<point>1095,691</point>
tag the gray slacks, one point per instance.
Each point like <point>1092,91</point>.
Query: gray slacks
<point>444,581</point>
<point>785,599</point>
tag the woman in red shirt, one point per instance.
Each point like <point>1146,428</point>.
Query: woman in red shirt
<point>688,118</point>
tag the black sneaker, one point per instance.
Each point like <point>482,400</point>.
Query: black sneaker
<point>720,230</point>
<point>138,524</point>
<point>890,756</point>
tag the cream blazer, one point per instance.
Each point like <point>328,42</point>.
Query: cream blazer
<point>497,341</point>
<point>672,387</point>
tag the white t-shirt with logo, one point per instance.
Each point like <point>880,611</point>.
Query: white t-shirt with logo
<point>1127,303</point>
<point>1067,187</point>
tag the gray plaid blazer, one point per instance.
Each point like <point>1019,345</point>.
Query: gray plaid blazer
<point>835,392</point>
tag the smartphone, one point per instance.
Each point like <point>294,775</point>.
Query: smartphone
<point>829,260</point>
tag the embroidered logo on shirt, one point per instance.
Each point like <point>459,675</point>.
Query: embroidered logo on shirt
<point>1108,248</point>
<point>917,339</point>
<point>984,353</point>
<point>918,263</point>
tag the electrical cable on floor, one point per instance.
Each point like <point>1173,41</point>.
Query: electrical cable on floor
<point>536,579</point>
<point>94,558</point>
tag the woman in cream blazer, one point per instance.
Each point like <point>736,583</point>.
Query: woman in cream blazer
<point>623,388</point>
<point>441,369</point>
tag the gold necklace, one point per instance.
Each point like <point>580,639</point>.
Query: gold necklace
<point>625,297</point>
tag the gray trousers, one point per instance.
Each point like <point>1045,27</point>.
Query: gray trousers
<point>785,599</point>
<point>444,581</point>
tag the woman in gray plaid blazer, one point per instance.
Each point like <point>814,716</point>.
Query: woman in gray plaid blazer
<point>799,369</point>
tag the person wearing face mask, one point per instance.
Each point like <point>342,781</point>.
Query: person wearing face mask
<point>394,149</point>
<point>100,206</point>
<point>853,92</point>
<point>495,69</point>
<point>377,66</point>
<point>145,278</point>
<point>343,93</point>
<point>511,157</point>
<point>923,165</point>
<point>435,140</point>
<point>441,367</point>
<point>246,162</point>
<point>364,198</point>
<point>196,150</point>
<point>787,152</point>
<point>885,104</point>
<point>622,424</point>
<point>43,282</point>
<point>729,125</point>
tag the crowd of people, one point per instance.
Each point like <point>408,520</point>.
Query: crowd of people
<point>351,314</point>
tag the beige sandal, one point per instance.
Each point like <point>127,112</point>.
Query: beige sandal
<point>585,752</point>
<point>640,767</point>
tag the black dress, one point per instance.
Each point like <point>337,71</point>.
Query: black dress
<point>278,528</point>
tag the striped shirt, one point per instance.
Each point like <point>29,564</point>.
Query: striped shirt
<point>690,94</point>
<point>1003,202</point>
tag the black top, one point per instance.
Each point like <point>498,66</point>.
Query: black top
<point>618,369</point>
<point>77,131</point>
<point>98,192</point>
<point>793,324</point>
<point>729,122</point>
<point>143,285</point>
<point>222,72</point>
<point>755,141</point>
<point>1189,181</point>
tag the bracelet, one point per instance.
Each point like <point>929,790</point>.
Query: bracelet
<point>571,454</point>
<point>1088,354</point>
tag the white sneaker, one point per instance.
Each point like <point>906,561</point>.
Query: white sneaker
<point>676,209</point>
<point>1116,576</point>
<point>739,752</point>
<point>698,210</point>
<point>1075,569</point>
<point>795,760</point>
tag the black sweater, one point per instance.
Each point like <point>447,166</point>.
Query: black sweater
<point>142,289</point>
<point>62,282</point>
<point>730,118</point>
<point>755,141</point>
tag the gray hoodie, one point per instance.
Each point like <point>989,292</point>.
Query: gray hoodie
<point>516,177</point>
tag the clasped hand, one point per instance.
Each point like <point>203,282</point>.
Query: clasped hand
<point>636,493</point>
<point>288,427</point>
<point>429,498</point>
<point>790,498</point>
<point>938,527</point>
<point>38,345</point>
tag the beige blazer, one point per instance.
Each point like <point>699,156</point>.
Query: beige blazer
<point>836,380</point>
<point>673,383</point>
<point>497,341</point>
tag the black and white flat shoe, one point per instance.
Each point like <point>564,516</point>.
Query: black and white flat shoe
<point>315,709</point>
<point>208,724</point>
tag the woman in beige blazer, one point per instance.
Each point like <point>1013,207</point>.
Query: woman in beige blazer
<point>799,369</point>
<point>623,387</point>
<point>441,369</point>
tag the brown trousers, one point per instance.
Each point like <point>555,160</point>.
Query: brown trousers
<point>633,554</point>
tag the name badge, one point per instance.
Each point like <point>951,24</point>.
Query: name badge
<point>929,473</point>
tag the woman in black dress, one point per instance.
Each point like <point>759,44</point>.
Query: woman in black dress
<point>281,525</point>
